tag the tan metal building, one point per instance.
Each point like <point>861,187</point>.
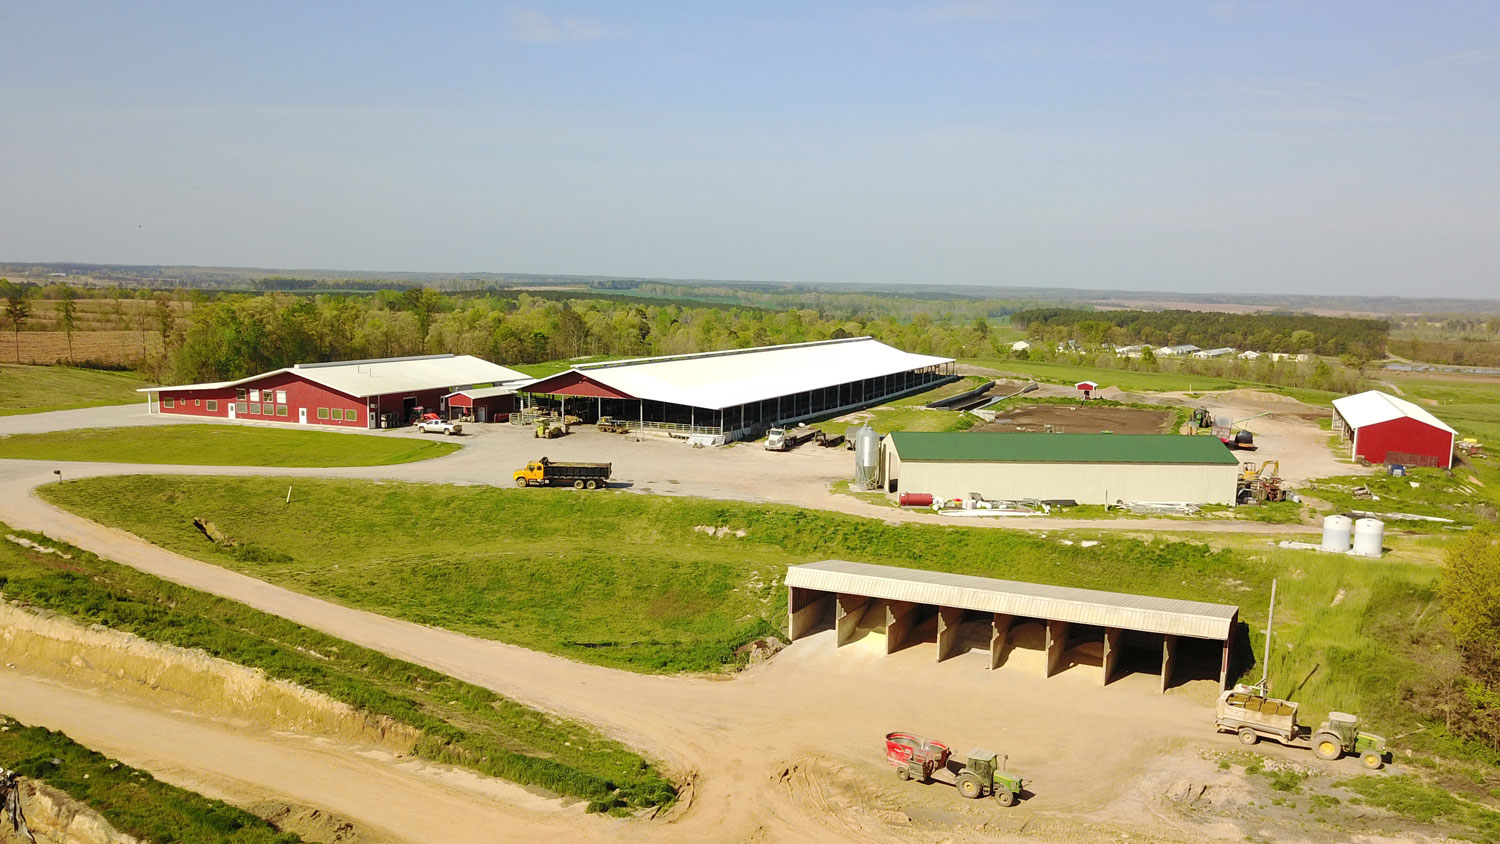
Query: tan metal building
<point>1087,468</point>
<point>912,606</point>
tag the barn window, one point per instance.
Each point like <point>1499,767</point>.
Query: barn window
<point>281,396</point>
<point>255,407</point>
<point>255,395</point>
<point>280,410</point>
<point>212,407</point>
<point>241,407</point>
<point>351,416</point>
<point>322,413</point>
<point>239,393</point>
<point>197,403</point>
<point>336,414</point>
<point>168,403</point>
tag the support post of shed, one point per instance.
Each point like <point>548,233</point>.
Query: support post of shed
<point>1168,657</point>
<point>1113,638</point>
<point>851,608</point>
<point>806,608</point>
<point>950,622</point>
<point>1224,666</point>
<point>999,638</point>
<point>900,616</point>
<point>1057,643</point>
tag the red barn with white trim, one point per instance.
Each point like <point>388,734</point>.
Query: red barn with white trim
<point>1382,428</point>
<point>347,394</point>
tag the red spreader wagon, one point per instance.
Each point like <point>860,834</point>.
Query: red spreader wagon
<point>915,757</point>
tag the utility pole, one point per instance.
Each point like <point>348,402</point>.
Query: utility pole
<point>1265,668</point>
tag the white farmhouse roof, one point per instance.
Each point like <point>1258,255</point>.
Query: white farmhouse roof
<point>379,376</point>
<point>1373,407</point>
<point>716,380</point>
<point>1033,600</point>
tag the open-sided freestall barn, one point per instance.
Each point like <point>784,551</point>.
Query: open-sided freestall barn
<point>350,394</point>
<point>737,393</point>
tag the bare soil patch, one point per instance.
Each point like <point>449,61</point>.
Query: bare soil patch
<point>1081,419</point>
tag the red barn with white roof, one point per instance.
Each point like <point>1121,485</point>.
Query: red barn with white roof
<point>1382,428</point>
<point>347,394</point>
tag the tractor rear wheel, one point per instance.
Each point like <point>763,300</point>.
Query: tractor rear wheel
<point>1327,746</point>
<point>1005,797</point>
<point>970,786</point>
<point>1248,736</point>
<point>1372,760</point>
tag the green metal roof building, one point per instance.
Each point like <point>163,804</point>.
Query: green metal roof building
<point>1087,468</point>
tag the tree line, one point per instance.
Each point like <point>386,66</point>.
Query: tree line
<point>232,335</point>
<point>1364,339</point>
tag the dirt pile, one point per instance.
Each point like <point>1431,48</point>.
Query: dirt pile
<point>49,645</point>
<point>312,824</point>
<point>56,818</point>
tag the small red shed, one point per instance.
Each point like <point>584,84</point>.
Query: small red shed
<point>1087,388</point>
<point>482,404</point>
<point>1382,428</point>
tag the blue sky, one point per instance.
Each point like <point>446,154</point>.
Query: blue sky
<point>1308,147</point>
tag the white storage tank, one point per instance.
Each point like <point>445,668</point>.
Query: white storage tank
<point>866,457</point>
<point>1369,537</point>
<point>1336,533</point>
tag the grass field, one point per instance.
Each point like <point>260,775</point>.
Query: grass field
<point>51,347</point>
<point>220,445</point>
<point>35,389</point>
<point>132,801</point>
<point>627,581</point>
<point>1056,372</point>
<point>460,723</point>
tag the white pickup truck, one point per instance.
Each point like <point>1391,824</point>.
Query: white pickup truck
<point>439,426</point>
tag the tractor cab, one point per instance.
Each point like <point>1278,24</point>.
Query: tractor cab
<point>982,773</point>
<point>1340,735</point>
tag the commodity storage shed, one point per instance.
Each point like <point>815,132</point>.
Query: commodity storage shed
<point>1087,468</point>
<point>735,394</point>
<point>1384,429</point>
<point>482,404</point>
<point>911,606</point>
<point>348,394</point>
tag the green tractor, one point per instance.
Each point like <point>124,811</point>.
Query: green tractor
<point>982,775</point>
<point>1340,735</point>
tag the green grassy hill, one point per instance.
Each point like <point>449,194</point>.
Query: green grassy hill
<point>36,389</point>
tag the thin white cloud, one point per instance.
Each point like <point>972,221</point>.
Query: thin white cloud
<point>538,27</point>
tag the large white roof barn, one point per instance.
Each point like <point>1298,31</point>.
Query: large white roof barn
<point>737,392</point>
<point>1382,428</point>
<point>368,393</point>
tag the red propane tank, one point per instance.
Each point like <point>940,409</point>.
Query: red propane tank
<point>915,499</point>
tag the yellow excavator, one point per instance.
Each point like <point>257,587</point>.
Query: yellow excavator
<point>1260,483</point>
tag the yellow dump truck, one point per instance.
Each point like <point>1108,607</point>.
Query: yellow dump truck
<point>544,472</point>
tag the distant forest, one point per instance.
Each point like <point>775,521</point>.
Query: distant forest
<point>1263,332</point>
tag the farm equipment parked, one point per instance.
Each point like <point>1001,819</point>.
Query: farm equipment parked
<point>549,430</point>
<point>544,472</point>
<point>431,423</point>
<point>1246,711</point>
<point>1260,484</point>
<point>918,758</point>
<point>611,425</point>
<point>786,439</point>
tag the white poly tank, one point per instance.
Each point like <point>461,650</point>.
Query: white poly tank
<point>1336,532</point>
<point>1369,537</point>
